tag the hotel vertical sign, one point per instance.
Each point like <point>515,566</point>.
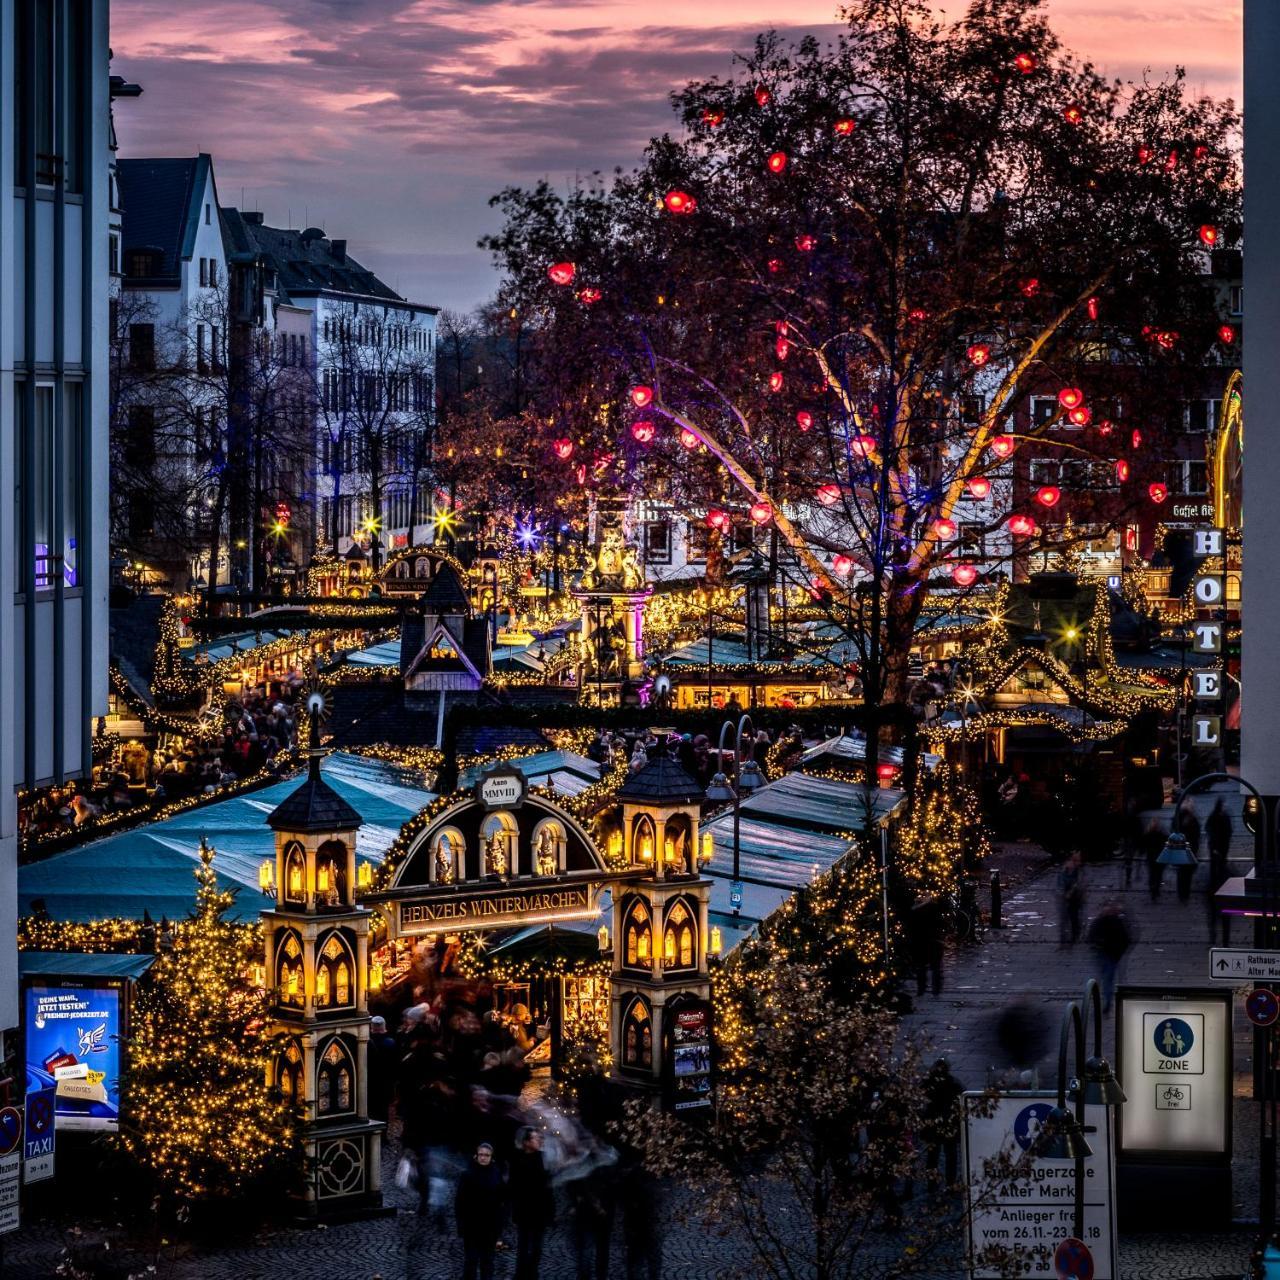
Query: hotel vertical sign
<point>1207,683</point>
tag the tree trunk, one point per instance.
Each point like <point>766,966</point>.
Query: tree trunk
<point>902,611</point>
<point>215,539</point>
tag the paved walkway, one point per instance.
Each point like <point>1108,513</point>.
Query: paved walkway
<point>1023,962</point>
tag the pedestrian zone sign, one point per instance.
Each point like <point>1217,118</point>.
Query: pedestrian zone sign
<point>1032,1210</point>
<point>1239,965</point>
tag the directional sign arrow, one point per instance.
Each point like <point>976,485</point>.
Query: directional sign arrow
<point>1223,966</point>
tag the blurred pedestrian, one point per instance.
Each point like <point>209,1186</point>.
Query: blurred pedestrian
<point>1218,829</point>
<point>384,1064</point>
<point>941,1120</point>
<point>1070,900</point>
<point>1152,846</point>
<point>925,938</point>
<point>1110,936</point>
<point>479,1211</point>
<point>642,1222</point>
<point>533,1203</point>
<point>592,1201</point>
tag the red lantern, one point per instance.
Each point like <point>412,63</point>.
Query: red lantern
<point>1092,308</point>
<point>1144,155</point>
<point>844,126</point>
<point>1021,526</point>
<point>581,473</point>
<point>1122,470</point>
<point>563,448</point>
<point>1135,440</point>
<point>842,566</point>
<point>886,772</point>
<point>717,519</point>
<point>1071,397</point>
<point>589,296</point>
<point>641,396</point>
<point>979,354</point>
<point>775,381</point>
<point>1079,416</point>
<point>1167,339</point>
<point>680,202</point>
<point>1072,114</point>
<point>761,512</point>
<point>643,431</point>
<point>1226,334</point>
<point>1026,63</point>
<point>1002,446</point>
<point>828,495</point>
<point>1104,427</point>
<point>782,348</point>
<point>689,438</point>
<point>1157,492</point>
<point>1048,494</point>
<point>804,420</point>
<point>777,161</point>
<point>806,243</point>
<point>762,95</point>
<point>979,486</point>
<point>1209,234</point>
<point>561,272</point>
<point>712,117</point>
<point>965,574</point>
<point>1030,287</point>
<point>774,265</point>
<point>945,529</point>
<point>917,316</point>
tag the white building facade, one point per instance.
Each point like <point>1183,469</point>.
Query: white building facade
<point>54,284</point>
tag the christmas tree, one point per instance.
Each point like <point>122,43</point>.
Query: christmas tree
<point>197,1115</point>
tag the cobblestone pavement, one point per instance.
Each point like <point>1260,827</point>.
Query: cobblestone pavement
<point>1022,961</point>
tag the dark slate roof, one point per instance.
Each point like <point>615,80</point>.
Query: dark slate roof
<point>305,262</point>
<point>314,806</point>
<point>158,198</point>
<point>445,593</point>
<point>662,781</point>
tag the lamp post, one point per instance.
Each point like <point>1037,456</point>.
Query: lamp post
<point>747,777</point>
<point>1061,1135</point>
<point>1264,885</point>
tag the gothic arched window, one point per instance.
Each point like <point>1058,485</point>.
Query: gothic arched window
<point>498,845</point>
<point>680,936</point>
<point>295,874</point>
<point>290,981</point>
<point>550,848</point>
<point>335,1080</point>
<point>637,930</point>
<point>643,841</point>
<point>448,857</point>
<point>637,1035</point>
<point>335,966</point>
<point>289,1074</point>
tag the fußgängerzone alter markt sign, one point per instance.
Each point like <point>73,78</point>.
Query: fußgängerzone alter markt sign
<point>1034,1211</point>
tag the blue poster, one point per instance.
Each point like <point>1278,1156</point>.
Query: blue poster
<point>73,1045</point>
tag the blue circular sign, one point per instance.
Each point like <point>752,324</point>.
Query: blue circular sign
<point>1026,1127</point>
<point>1262,1007</point>
<point>10,1129</point>
<point>1173,1038</point>
<point>1072,1260</point>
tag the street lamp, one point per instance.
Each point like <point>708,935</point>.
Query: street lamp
<point>748,778</point>
<point>1061,1135</point>
<point>1101,1088</point>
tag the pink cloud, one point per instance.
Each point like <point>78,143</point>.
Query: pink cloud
<point>390,122</point>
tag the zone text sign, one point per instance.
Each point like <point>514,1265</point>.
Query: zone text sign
<point>1239,965</point>
<point>1034,1211</point>
<point>1174,1061</point>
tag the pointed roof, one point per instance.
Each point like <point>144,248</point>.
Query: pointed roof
<point>662,781</point>
<point>445,592</point>
<point>315,806</point>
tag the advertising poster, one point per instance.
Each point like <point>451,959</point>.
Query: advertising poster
<point>73,1046</point>
<point>1175,1054</point>
<point>691,1057</point>
<point>1034,1212</point>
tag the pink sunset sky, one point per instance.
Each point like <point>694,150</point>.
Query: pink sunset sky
<point>391,122</point>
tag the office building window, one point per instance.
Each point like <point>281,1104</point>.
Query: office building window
<point>201,358</point>
<point>72,480</point>
<point>204,271</point>
<point>657,541</point>
<point>142,347</point>
<point>208,213</point>
<point>42,473</point>
<point>140,442</point>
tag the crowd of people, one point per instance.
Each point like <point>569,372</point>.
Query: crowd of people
<point>504,1162</point>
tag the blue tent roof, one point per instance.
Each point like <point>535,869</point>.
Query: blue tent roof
<point>152,867</point>
<point>78,964</point>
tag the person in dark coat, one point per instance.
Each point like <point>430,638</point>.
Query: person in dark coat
<point>1217,827</point>
<point>925,935</point>
<point>533,1204</point>
<point>941,1120</point>
<point>1189,825</point>
<point>1153,839</point>
<point>384,1066</point>
<point>479,1208</point>
<point>1110,936</point>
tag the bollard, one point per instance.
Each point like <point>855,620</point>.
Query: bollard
<point>997,900</point>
